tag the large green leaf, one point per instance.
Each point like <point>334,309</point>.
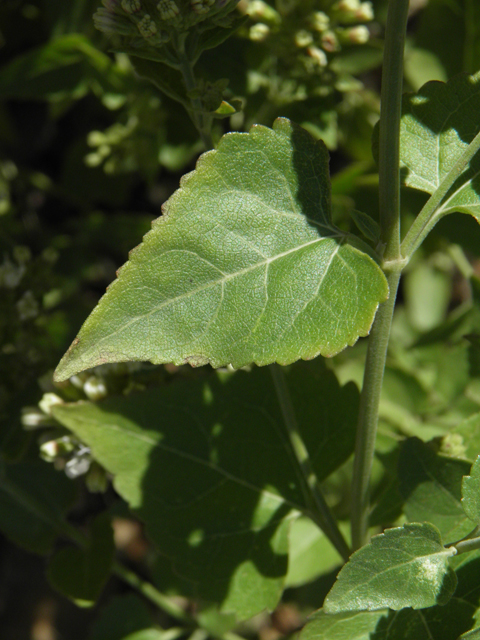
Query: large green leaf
<point>207,465</point>
<point>33,500</point>
<point>471,492</point>
<point>438,124</point>
<point>402,567</point>
<point>431,485</point>
<point>244,266</point>
<point>81,574</point>
<point>353,625</point>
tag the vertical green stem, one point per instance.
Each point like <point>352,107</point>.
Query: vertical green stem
<point>201,120</point>
<point>368,412</point>
<point>389,185</point>
<point>320,511</point>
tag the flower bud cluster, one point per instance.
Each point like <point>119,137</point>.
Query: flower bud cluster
<point>317,34</point>
<point>153,23</point>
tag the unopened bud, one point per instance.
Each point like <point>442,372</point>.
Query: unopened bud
<point>318,56</point>
<point>357,35</point>
<point>95,388</point>
<point>259,10</point>
<point>303,38</point>
<point>201,6</point>
<point>365,12</point>
<point>330,42</point>
<point>131,6</point>
<point>259,32</point>
<point>48,401</point>
<point>319,21</point>
<point>147,27</point>
<point>168,9</point>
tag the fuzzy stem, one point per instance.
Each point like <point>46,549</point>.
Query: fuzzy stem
<point>389,186</point>
<point>320,512</point>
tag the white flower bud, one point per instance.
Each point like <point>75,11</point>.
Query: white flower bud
<point>48,401</point>
<point>303,38</point>
<point>358,35</point>
<point>365,12</point>
<point>258,32</point>
<point>95,388</point>
<point>319,21</point>
<point>318,56</point>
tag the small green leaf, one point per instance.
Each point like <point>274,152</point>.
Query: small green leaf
<point>146,634</point>
<point>402,567</point>
<point>471,492</point>
<point>438,123</point>
<point>81,574</point>
<point>431,485</point>
<point>244,266</point>
<point>342,626</point>
<point>207,465</point>
<point>366,224</point>
<point>469,430</point>
<point>33,500</point>
<point>471,635</point>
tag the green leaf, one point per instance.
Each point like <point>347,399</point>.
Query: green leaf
<point>366,224</point>
<point>122,616</point>
<point>402,567</point>
<point>207,465</point>
<point>431,485</point>
<point>244,266</point>
<point>66,65</point>
<point>342,626</point>
<point>33,500</point>
<point>163,77</point>
<point>471,635</point>
<point>471,492</point>
<point>469,430</point>
<point>438,124</point>
<point>81,574</point>
<point>436,623</point>
<point>311,553</point>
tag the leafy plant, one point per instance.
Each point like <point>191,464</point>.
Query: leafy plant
<point>242,476</point>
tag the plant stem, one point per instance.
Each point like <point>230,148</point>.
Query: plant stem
<point>321,513</point>
<point>152,594</point>
<point>431,212</point>
<point>470,544</point>
<point>389,186</point>
<point>368,412</point>
<point>201,120</point>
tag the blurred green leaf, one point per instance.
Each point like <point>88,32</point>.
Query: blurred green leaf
<point>81,574</point>
<point>33,500</point>
<point>207,465</point>
<point>121,616</point>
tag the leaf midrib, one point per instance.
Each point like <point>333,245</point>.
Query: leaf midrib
<point>213,283</point>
